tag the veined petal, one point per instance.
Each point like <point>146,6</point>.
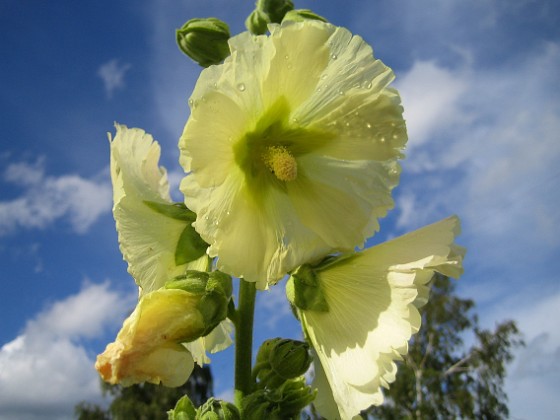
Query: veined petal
<point>373,312</point>
<point>291,149</point>
<point>148,239</point>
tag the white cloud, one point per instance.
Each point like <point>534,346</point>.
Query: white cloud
<point>47,370</point>
<point>112,73</point>
<point>430,95</point>
<point>45,199</point>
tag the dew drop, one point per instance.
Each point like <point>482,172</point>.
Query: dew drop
<point>382,139</point>
<point>341,93</point>
<point>241,87</point>
<point>191,103</point>
<point>286,56</point>
<point>334,56</point>
<point>368,125</point>
<point>369,85</point>
<point>206,217</point>
<point>347,124</point>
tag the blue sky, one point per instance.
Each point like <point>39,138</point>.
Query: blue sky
<point>480,86</point>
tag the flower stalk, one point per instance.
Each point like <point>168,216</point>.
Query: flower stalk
<point>244,341</point>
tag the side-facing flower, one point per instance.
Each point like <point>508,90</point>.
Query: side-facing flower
<point>149,226</point>
<point>147,348</point>
<point>291,149</point>
<point>149,345</point>
<point>156,236</point>
<point>359,311</point>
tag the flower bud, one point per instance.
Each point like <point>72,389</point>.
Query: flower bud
<point>184,410</point>
<point>281,359</point>
<point>290,358</point>
<point>257,22</point>
<point>299,15</point>
<point>217,410</point>
<point>204,40</point>
<point>285,402</point>
<point>267,11</point>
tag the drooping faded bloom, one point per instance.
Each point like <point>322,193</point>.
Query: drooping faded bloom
<point>156,237</point>
<point>291,149</point>
<point>359,311</point>
<point>148,347</point>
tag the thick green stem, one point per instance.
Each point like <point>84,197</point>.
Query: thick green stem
<point>244,341</point>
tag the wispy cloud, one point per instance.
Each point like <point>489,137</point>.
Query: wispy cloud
<point>47,369</point>
<point>43,199</point>
<point>112,74</point>
<point>493,159</point>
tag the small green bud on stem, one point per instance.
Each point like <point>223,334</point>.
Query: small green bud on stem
<point>204,40</point>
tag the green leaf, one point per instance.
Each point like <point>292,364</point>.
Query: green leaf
<point>177,211</point>
<point>190,246</point>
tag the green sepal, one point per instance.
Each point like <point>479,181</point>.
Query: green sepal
<point>177,211</point>
<point>192,281</point>
<point>190,246</point>
<point>304,290</point>
<point>184,410</point>
<point>214,409</point>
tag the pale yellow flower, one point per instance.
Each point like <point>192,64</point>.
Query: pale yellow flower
<point>291,149</point>
<point>148,238</point>
<point>148,347</point>
<point>369,312</point>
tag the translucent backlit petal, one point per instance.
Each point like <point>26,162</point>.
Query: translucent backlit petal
<point>373,312</point>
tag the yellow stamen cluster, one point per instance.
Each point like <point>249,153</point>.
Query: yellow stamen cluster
<point>280,162</point>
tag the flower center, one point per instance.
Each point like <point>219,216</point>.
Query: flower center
<point>280,162</point>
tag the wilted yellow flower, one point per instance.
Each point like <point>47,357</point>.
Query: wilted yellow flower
<point>362,310</point>
<point>147,348</point>
<point>291,148</point>
<point>154,234</point>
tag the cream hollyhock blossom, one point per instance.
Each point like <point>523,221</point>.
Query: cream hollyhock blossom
<point>359,312</point>
<point>148,237</point>
<point>291,149</point>
<point>147,348</point>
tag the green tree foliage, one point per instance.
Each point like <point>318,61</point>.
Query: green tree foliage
<point>147,401</point>
<point>442,379</point>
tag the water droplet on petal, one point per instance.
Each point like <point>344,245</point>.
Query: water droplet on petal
<point>368,125</point>
<point>369,85</point>
<point>382,139</point>
<point>334,56</point>
<point>241,87</point>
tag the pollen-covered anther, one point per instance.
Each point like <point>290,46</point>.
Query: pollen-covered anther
<point>281,163</point>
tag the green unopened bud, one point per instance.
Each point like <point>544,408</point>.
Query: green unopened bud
<point>304,290</point>
<point>184,410</point>
<point>299,15</point>
<point>257,22</point>
<point>285,402</point>
<point>217,410</point>
<point>275,9</point>
<point>267,11</point>
<point>281,359</point>
<point>204,40</point>
<point>290,358</point>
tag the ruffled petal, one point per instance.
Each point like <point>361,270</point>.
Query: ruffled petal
<point>372,313</point>
<point>148,239</point>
